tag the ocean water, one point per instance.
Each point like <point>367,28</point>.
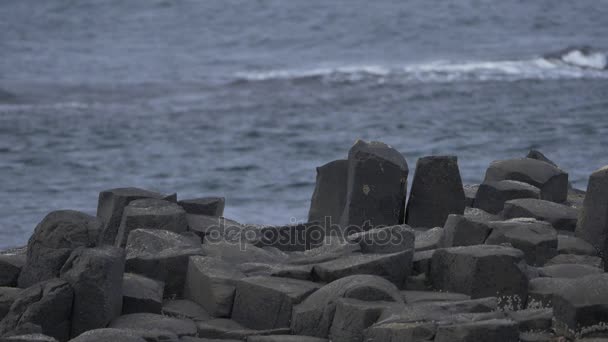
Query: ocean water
<point>243,99</point>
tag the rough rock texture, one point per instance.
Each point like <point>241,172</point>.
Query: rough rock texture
<point>142,322</point>
<point>112,203</point>
<point>495,330</point>
<point>573,245</point>
<point>109,335</point>
<point>211,206</point>
<point>397,332</point>
<point>437,192</point>
<point>8,295</point>
<point>571,271</point>
<point>481,271</point>
<point>593,220</point>
<point>353,316</point>
<point>385,240</point>
<point>462,231</point>
<point>150,213</point>
<point>266,302</point>
<point>552,182</point>
<point>541,291</point>
<point>47,305</point>
<point>54,239</point>
<point>95,275</point>
<point>161,255</point>
<point>492,196</point>
<point>532,319</point>
<point>183,308</point>
<point>141,294</point>
<point>576,259</point>
<point>427,239</point>
<point>562,217</point>
<point>224,329</point>
<point>205,225</point>
<point>376,186</point>
<point>10,268</point>
<point>470,192</point>
<point>412,297</point>
<point>285,338</point>
<point>211,283</point>
<point>329,196</point>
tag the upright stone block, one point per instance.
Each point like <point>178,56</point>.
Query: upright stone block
<point>592,224</point>
<point>329,196</point>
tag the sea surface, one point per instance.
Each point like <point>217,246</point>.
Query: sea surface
<point>243,99</point>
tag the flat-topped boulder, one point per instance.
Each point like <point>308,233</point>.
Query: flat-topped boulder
<point>541,291</point>
<point>329,196</point>
<point>109,334</point>
<point>211,206</point>
<point>588,260</point>
<point>460,230</point>
<point>592,225</point>
<point>437,192</point>
<point>334,248</point>
<point>552,182</point>
<point>562,217</point>
<point>427,239</point>
<point>376,185</point>
<point>53,240</point>
<point>223,329</point>
<point>573,245</point>
<point>141,294</point>
<point>385,240</point>
<point>412,297</point>
<point>532,319</point>
<point>144,322</point>
<point>491,196</point>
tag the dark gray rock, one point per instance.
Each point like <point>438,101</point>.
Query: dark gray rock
<point>541,291</point>
<point>561,216</point>
<point>552,182</point>
<point>576,259</point>
<point>481,271</point>
<point>462,231</point>
<point>112,203</point>
<point>143,322</point>
<point>417,282</point>
<point>470,192</point>
<point>293,237</point>
<point>437,192</point>
<point>263,303</point>
<point>204,225</point>
<point>492,196</point>
<point>47,305</point>
<point>412,297</point>
<point>393,267</point>
<point>533,336</point>
<point>532,319</point>
<point>537,239</point>
<point>422,261</point>
<point>211,283</point>
<point>8,295</point>
<point>242,252</point>
<point>183,308</point>
<point>95,274</point>
<point>573,245</point>
<point>212,206</point>
<point>376,186</point>
<point>34,337</point>
<point>313,317</point>
<point>54,239</point>
<point>161,255</point>
<point>300,272</point>
<point>538,155</point>
<point>385,240</point>
<point>150,213</point>
<point>285,338</point>
<point>495,330</point>
<point>427,239</point>
<point>593,221</point>
<point>571,271</point>
<point>141,294</point>
<point>109,334</point>
<point>10,268</point>
<point>329,196</point>
<point>353,316</point>
<point>334,247</point>
<point>225,329</point>
<point>581,307</point>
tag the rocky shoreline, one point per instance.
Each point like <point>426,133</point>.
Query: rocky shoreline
<point>520,257</point>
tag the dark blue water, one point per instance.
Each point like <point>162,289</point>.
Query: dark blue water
<point>245,98</point>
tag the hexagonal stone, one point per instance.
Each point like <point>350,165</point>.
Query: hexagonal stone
<point>492,196</point>
<point>561,216</point>
<point>541,291</point>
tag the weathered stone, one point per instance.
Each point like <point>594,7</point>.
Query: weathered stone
<point>313,317</point>
<point>329,196</point>
<point>576,259</point>
<point>492,196</point>
<point>54,239</point>
<point>8,295</point>
<point>161,255</point>
<point>537,239</point>
<point>398,332</point>
<point>573,245</point>
<point>422,261</point>
<point>10,268</point>
<point>376,186</point>
<point>428,239</point>
<point>581,307</point>
<point>417,283</point>
<point>241,252</point>
<point>541,291</point>
<point>183,308</point>
<point>481,271</point>
<point>353,316</point>
<point>47,304</point>
<point>333,248</point>
<point>109,334</point>
<point>142,322</point>
<point>533,336</point>
<point>150,213</point>
<point>211,283</point>
<point>293,237</point>
<point>532,319</point>
<point>412,297</point>
<point>224,329</point>
<point>393,267</point>
<point>495,330</point>
<point>212,206</point>
<point>593,220</point>
<point>33,337</point>
<point>571,271</point>
<point>479,215</point>
<point>385,240</point>
<point>95,274</point>
<point>285,338</point>
<point>204,225</point>
<point>470,192</point>
<point>263,303</point>
<point>141,294</point>
<point>552,182</point>
<point>301,272</point>
<point>462,231</point>
<point>437,192</point>
<point>112,203</point>
<point>561,216</point>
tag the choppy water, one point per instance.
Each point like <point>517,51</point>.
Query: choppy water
<point>245,98</point>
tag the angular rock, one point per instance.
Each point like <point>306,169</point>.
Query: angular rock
<point>385,240</point>
<point>10,268</point>
<point>329,196</point>
<point>552,182</point>
<point>532,319</point>
<point>429,239</point>
<point>183,308</point>
<point>224,329</point>
<point>294,237</point>
<point>300,272</point>
<point>150,213</point>
<point>142,322</point>
<point>54,239</point>
<point>592,225</point>
<point>204,225</point>
<point>47,304</point>
<point>470,192</point>
<point>263,303</point>
<point>573,245</point>
<point>313,317</point>
<point>571,271</point>
<point>109,334</point>
<point>561,216</point>
<point>492,196</point>
<point>495,330</point>
<point>541,291</point>
<point>95,274</point>
<point>8,295</point>
<point>353,316</point>
<point>537,337</point>
<point>462,231</point>
<point>437,192</point>
<point>112,203</point>
<point>394,267</point>
<point>333,248</point>
<point>391,332</point>
<point>376,186</point>
<point>211,206</point>
<point>479,215</point>
<point>537,239</point>
<point>422,261</point>
<point>481,271</point>
<point>141,294</point>
<point>576,259</point>
<point>211,283</point>
<point>161,255</point>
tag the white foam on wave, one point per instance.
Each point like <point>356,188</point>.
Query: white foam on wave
<point>595,60</point>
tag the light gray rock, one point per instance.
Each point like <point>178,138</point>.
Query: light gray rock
<point>479,215</point>
<point>52,242</point>
<point>8,295</point>
<point>385,240</point>
<point>532,319</point>
<point>492,196</point>
<point>390,332</point>
<point>241,252</point>
<point>212,206</point>
<point>141,294</point>
<point>422,261</point>
<point>571,271</point>
<point>109,334</point>
<point>573,245</point>
<point>562,217</point>
<point>428,239</point>
<point>10,268</point>
<point>576,259</point>
<point>462,231</point>
<point>541,291</point>
<point>353,316</point>
<point>470,192</point>
<point>437,192</point>
<point>329,196</point>
<point>300,272</point>
<point>143,322</point>
<point>593,220</point>
<point>95,275</point>
<point>495,330</point>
